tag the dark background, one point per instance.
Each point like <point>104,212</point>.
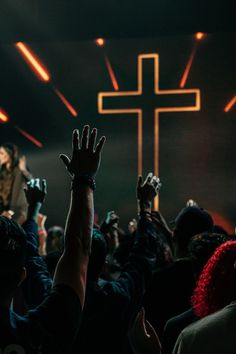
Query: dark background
<point>197,149</point>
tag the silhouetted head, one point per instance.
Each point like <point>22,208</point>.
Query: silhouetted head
<point>55,239</point>
<point>12,256</point>
<point>202,246</point>
<point>190,221</point>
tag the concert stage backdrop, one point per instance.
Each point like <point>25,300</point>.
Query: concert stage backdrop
<point>166,104</point>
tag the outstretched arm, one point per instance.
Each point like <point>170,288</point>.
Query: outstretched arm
<point>83,166</point>
<point>38,281</point>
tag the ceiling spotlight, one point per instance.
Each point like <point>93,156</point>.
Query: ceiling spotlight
<point>100,42</point>
<point>200,35</point>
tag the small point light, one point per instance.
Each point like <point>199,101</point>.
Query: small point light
<point>199,36</point>
<point>100,42</point>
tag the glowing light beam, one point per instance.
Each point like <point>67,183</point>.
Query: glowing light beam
<point>230,104</point>
<point>33,61</point>
<point>188,67</point>
<point>68,105</point>
<point>29,137</point>
<point>111,74</point>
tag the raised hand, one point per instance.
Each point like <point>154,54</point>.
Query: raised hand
<point>147,190</point>
<point>191,203</point>
<point>34,192</point>
<point>86,153</point>
<point>22,163</point>
<point>112,218</point>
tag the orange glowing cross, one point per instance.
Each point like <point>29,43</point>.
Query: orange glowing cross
<point>162,96</point>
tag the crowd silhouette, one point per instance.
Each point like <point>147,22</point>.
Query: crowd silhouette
<point>84,287</point>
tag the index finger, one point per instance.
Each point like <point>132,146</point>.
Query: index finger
<point>44,186</point>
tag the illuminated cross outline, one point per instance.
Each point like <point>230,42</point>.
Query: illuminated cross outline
<point>139,111</point>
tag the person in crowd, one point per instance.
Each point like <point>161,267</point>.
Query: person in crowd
<point>110,305</point>
<point>171,287</point>
<point>54,239</point>
<point>214,302</point>
<point>164,255</point>
<point>52,326</point>
<point>201,248</point>
<point>14,174</point>
<point>216,289</point>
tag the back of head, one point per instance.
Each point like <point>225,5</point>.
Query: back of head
<point>12,255</point>
<point>98,254</point>
<point>202,246</point>
<point>55,239</point>
<point>216,286</point>
<point>191,221</point>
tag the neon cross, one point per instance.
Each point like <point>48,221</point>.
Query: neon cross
<point>105,98</point>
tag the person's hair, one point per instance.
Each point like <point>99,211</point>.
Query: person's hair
<point>12,255</point>
<point>219,230</point>
<point>216,287</point>
<point>202,246</point>
<point>55,239</point>
<point>191,221</point>
<point>98,254</point>
<point>13,152</point>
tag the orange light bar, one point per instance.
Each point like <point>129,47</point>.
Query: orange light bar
<point>111,74</point>
<point>3,117</point>
<point>66,103</point>
<point>33,61</point>
<point>230,104</point>
<point>200,35</point>
<point>188,68</point>
<point>29,137</point>
<point>100,42</point>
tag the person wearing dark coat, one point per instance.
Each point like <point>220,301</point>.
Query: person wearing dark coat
<point>14,175</point>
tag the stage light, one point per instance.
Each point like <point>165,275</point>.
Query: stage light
<point>100,42</point>
<point>66,103</point>
<point>33,61</point>
<point>111,74</point>
<point>3,116</point>
<point>29,137</point>
<point>230,104</point>
<point>188,67</point>
<point>200,35</point>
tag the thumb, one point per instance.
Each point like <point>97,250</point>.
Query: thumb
<point>65,159</point>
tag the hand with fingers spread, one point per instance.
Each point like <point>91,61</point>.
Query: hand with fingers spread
<point>82,166</point>
<point>147,191</point>
<point>86,153</point>
<point>34,192</point>
<point>143,336</point>
<point>35,195</point>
